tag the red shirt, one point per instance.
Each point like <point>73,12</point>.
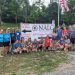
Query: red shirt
<point>64,32</point>
<point>47,42</point>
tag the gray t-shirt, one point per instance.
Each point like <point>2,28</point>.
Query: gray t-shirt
<point>72,33</point>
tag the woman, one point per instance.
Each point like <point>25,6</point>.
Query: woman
<point>6,41</point>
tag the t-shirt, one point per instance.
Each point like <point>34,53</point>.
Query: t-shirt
<point>28,43</point>
<point>59,32</point>
<point>16,45</point>
<point>67,41</point>
<point>72,33</point>
<point>1,37</point>
<point>13,36</point>
<point>35,44</point>
<point>18,33</point>
<point>65,32</point>
<point>6,37</point>
<point>62,42</point>
<point>22,45</point>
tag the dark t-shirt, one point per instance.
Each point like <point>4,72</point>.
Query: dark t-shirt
<point>13,37</point>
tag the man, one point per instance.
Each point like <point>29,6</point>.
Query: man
<point>72,36</point>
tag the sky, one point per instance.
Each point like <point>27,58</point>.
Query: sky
<point>46,2</point>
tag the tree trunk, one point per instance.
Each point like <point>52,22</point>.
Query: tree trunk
<point>0,17</point>
<point>16,19</point>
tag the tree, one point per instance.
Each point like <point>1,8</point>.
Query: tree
<point>2,2</point>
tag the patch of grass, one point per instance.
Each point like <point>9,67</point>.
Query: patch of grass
<point>31,64</point>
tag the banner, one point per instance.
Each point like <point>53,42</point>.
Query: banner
<point>36,31</point>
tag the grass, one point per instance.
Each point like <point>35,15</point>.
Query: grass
<point>31,64</point>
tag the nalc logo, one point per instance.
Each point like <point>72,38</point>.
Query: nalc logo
<point>34,28</point>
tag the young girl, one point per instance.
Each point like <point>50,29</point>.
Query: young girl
<point>64,32</point>
<point>48,42</point>
<point>67,44</point>
<point>61,43</point>
<point>16,47</point>
<point>6,41</point>
<point>35,45</point>
<point>23,45</point>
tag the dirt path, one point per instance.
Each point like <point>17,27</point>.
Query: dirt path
<point>66,69</point>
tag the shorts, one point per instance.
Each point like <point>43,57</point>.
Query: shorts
<point>6,43</point>
<point>72,40</point>
<point>1,44</point>
<point>12,41</point>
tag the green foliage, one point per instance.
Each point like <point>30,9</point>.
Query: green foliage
<point>17,11</point>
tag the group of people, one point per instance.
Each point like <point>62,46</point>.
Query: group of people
<point>63,38</point>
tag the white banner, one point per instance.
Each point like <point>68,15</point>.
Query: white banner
<point>35,31</point>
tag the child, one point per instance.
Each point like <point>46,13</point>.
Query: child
<point>67,44</point>
<point>40,44</point>
<point>48,42</point>
<point>16,47</point>
<point>35,45</point>
<point>6,41</point>
<point>1,42</point>
<point>29,44</point>
<point>64,32</point>
<point>23,45</point>
<point>61,43</point>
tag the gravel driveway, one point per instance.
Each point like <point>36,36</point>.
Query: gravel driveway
<point>65,69</point>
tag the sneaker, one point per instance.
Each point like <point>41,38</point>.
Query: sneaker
<point>1,56</point>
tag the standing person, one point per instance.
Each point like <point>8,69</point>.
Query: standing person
<point>6,41</point>
<point>1,42</point>
<point>18,35</point>
<point>59,33</point>
<point>65,31</point>
<point>13,37</point>
<point>72,36</point>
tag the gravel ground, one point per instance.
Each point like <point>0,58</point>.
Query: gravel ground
<point>65,69</point>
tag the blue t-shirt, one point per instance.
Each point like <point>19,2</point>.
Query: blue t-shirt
<point>16,45</point>
<point>18,35</point>
<point>6,37</point>
<point>62,42</point>
<point>1,37</point>
<point>59,33</point>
